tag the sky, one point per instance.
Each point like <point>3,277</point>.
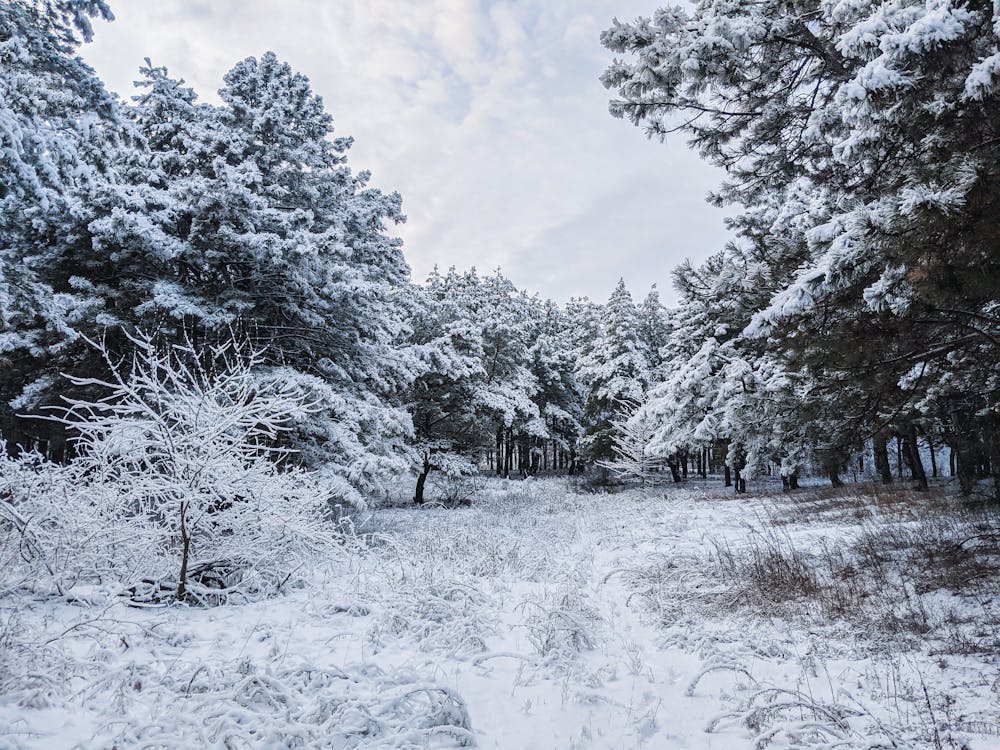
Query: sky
<point>488,117</point>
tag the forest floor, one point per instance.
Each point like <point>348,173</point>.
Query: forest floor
<point>546,617</point>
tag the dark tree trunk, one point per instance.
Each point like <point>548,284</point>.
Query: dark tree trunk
<point>508,462</point>
<point>185,554</point>
<point>675,474</point>
<point>418,493</point>
<point>913,451</point>
<point>881,443</point>
<point>727,476</point>
<point>499,465</point>
<point>834,474</point>
<point>739,482</point>
<point>994,442</point>
<point>934,469</point>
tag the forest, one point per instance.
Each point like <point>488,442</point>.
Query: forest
<point>226,407</point>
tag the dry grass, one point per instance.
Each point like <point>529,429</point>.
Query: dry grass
<point>897,563</point>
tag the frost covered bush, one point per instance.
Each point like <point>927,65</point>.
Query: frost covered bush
<point>439,616</point>
<point>180,488</point>
<point>300,706</point>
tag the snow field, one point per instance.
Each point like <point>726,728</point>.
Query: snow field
<point>536,618</point>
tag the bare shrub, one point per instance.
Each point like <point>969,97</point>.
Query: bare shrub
<point>771,568</point>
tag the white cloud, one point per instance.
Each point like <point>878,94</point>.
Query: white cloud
<point>486,116</point>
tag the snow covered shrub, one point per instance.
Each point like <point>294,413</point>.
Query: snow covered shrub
<point>180,487</point>
<point>57,528</point>
<point>447,616</point>
<point>562,625</point>
<point>289,706</point>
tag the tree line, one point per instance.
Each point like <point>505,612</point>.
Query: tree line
<point>192,225</point>
<point>857,307</point>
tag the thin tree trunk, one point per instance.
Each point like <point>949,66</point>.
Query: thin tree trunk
<point>995,463</point>
<point>185,553</point>
<point>499,466</point>
<point>508,463</point>
<point>899,456</point>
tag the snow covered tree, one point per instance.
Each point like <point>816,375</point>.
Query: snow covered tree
<point>859,141</point>
<point>246,217</point>
<point>631,439</point>
<point>449,430</point>
<point>614,372</point>
<point>654,330</point>
<point>559,396</point>
<point>57,127</point>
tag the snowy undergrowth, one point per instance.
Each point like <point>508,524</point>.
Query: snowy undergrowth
<point>859,618</point>
<point>536,618</point>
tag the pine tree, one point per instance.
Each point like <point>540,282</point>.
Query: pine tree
<point>57,125</point>
<point>654,330</point>
<point>614,372</point>
<point>860,148</point>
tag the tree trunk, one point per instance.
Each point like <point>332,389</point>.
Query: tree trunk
<point>499,466</point>
<point>899,455</point>
<point>881,444</point>
<point>934,469</point>
<point>727,476</point>
<point>916,465</point>
<point>994,439</point>
<point>740,482</point>
<point>675,474</point>
<point>185,553</point>
<point>508,462</point>
<point>418,493</point>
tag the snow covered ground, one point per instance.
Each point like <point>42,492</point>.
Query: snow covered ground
<point>542,617</point>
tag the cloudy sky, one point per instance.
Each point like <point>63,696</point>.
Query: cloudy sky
<point>486,115</point>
